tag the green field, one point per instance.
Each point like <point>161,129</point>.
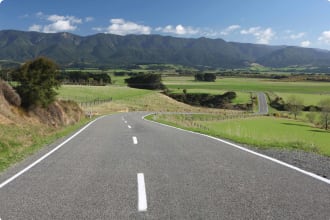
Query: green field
<point>308,99</point>
<point>249,85</point>
<point>17,141</point>
<point>310,92</point>
<point>90,93</point>
<point>263,132</point>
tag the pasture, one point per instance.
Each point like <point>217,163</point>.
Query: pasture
<point>249,85</point>
<point>310,92</point>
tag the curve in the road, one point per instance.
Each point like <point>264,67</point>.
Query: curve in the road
<point>262,103</point>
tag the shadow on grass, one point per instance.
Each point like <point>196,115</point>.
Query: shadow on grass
<point>320,131</point>
<point>294,124</point>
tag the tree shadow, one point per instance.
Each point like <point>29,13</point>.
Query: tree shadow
<point>320,131</point>
<point>294,124</point>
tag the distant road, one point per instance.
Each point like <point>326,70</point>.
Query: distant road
<point>262,103</point>
<point>123,167</point>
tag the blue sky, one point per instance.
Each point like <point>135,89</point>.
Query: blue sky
<point>275,22</point>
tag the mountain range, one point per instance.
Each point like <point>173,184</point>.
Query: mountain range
<point>106,50</point>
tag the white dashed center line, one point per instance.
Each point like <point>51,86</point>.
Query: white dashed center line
<point>135,141</point>
<point>129,126</point>
<point>142,196</point>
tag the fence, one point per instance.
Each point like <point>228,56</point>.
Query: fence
<point>94,102</point>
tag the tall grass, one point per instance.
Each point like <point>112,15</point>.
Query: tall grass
<point>17,141</point>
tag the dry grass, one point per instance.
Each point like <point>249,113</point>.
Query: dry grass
<point>153,102</point>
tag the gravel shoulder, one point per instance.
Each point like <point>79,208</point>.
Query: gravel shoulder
<point>308,161</point>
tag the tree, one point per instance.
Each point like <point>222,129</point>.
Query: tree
<point>199,77</point>
<point>210,77</point>
<point>207,77</point>
<point>325,113</point>
<point>294,105</point>
<point>146,81</point>
<point>37,81</point>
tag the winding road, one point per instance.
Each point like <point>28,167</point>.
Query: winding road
<point>262,103</point>
<point>124,167</point>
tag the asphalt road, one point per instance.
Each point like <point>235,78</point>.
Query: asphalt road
<point>262,101</point>
<point>123,167</point>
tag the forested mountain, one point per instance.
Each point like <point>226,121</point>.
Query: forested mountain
<point>108,50</point>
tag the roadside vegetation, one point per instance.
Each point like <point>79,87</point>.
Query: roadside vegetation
<point>30,114</point>
<point>262,132</point>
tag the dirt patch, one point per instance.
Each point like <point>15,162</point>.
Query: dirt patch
<point>59,113</point>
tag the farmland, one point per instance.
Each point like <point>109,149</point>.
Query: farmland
<point>285,132</point>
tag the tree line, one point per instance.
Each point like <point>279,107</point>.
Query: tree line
<point>84,78</point>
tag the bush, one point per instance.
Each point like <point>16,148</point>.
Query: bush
<point>207,77</point>
<point>206,100</point>
<point>37,82</point>
<point>146,81</point>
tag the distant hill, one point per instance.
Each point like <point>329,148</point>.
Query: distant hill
<point>70,50</point>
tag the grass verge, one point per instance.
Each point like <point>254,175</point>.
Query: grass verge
<point>262,132</point>
<point>17,141</point>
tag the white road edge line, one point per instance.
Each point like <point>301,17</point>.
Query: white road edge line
<point>313,175</point>
<point>46,155</point>
<point>142,196</point>
<point>135,141</point>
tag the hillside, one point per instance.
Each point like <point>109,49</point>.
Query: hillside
<point>109,50</point>
<point>57,114</point>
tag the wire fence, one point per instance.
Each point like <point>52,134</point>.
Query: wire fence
<point>94,102</point>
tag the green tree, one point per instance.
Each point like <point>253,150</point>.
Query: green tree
<point>199,77</point>
<point>294,105</point>
<point>146,81</point>
<point>325,113</point>
<point>210,77</point>
<point>37,81</point>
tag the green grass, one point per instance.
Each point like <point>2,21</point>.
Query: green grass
<point>263,132</point>
<point>19,141</point>
<point>308,99</point>
<point>242,97</point>
<point>248,85</point>
<point>90,93</point>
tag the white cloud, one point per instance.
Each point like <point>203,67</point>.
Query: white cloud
<point>89,19</point>
<point>306,43</point>
<point>58,23</point>
<point>121,27</point>
<point>230,29</point>
<point>40,14</point>
<point>35,27</point>
<point>325,37</point>
<point>178,30</point>
<point>297,36</point>
<point>263,36</point>
<point>1,1</point>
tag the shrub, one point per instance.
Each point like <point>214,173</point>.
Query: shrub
<point>146,81</point>
<point>37,82</point>
<point>207,77</point>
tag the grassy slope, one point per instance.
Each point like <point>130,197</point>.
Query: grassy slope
<point>20,140</point>
<point>128,99</point>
